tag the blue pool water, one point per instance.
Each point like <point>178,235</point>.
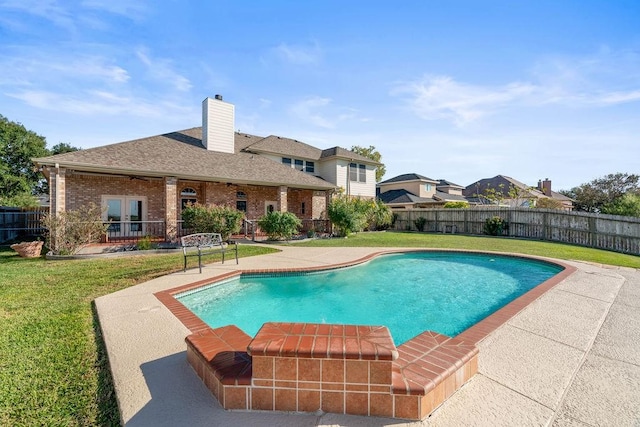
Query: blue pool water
<point>445,292</point>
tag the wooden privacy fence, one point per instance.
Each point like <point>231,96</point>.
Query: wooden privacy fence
<point>611,232</point>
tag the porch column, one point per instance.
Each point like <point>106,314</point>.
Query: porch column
<point>282,199</point>
<point>57,187</point>
<point>171,208</point>
<point>318,204</point>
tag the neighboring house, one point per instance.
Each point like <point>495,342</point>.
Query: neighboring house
<point>151,179</point>
<point>411,190</point>
<point>510,192</point>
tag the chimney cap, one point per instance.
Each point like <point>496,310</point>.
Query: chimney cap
<point>218,97</point>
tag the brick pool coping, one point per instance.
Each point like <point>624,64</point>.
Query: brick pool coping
<point>311,367</point>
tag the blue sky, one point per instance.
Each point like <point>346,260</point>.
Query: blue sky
<point>460,90</point>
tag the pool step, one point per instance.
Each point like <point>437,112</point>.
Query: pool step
<point>333,368</point>
<point>429,369</point>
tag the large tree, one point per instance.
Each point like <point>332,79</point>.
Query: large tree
<point>17,146</point>
<point>374,155</point>
<point>596,195</point>
<point>20,181</point>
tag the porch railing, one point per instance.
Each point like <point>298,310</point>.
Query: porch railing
<point>131,231</point>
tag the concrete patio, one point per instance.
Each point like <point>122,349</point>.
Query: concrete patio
<point>571,358</point>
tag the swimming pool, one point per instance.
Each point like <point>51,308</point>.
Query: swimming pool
<point>445,292</point>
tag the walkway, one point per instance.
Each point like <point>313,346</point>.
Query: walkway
<point>572,358</point>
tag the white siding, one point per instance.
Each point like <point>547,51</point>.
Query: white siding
<point>364,189</point>
<point>218,119</point>
<point>328,170</point>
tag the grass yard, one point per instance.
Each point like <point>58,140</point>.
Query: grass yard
<point>53,368</point>
<point>480,243</point>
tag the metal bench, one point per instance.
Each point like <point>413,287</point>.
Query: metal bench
<point>206,243</point>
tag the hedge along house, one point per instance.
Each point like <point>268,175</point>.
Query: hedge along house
<point>144,184</point>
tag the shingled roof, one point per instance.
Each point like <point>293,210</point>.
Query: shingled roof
<point>182,154</point>
<point>408,177</point>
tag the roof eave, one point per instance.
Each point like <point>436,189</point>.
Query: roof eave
<point>161,174</point>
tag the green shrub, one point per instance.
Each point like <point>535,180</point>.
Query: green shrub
<point>280,225</point>
<point>420,222</point>
<point>456,205</point>
<point>212,219</point>
<point>346,214</point>
<point>379,215</point>
<point>495,226</point>
<point>68,231</point>
<point>353,214</point>
<point>144,244</point>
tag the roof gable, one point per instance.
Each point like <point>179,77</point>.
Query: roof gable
<point>284,146</point>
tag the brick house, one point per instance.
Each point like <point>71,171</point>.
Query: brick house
<point>148,181</point>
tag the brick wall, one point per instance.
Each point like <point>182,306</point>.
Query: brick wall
<point>83,189</point>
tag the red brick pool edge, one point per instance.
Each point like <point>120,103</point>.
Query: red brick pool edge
<point>342,369</point>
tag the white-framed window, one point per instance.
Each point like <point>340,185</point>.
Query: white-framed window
<point>188,195</point>
<point>270,206</point>
<point>299,164</point>
<point>310,167</point>
<point>241,201</point>
<point>427,187</point>
<point>357,172</point>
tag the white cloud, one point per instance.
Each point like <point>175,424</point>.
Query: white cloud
<point>128,8</point>
<point>38,68</point>
<point>602,79</point>
<point>307,111</point>
<point>441,97</point>
<point>319,111</point>
<point>299,55</point>
<point>50,10</point>
<point>99,102</point>
<point>162,70</point>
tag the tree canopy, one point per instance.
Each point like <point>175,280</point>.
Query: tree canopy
<point>374,155</point>
<point>602,194</point>
<point>20,181</point>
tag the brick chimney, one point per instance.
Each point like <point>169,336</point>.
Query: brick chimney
<point>218,119</point>
<point>545,186</point>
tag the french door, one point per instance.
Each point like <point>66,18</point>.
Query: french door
<point>125,214</point>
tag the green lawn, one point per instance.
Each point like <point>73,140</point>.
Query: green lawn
<point>479,243</point>
<point>53,369</point>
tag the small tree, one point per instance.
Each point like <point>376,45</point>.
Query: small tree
<point>379,215</point>
<point>347,214</point>
<point>495,226</point>
<point>548,203</point>
<point>420,222</point>
<point>69,231</point>
<point>280,225</point>
<point>456,205</point>
<point>213,219</point>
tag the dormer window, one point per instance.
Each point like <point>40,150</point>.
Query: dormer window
<point>427,187</point>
